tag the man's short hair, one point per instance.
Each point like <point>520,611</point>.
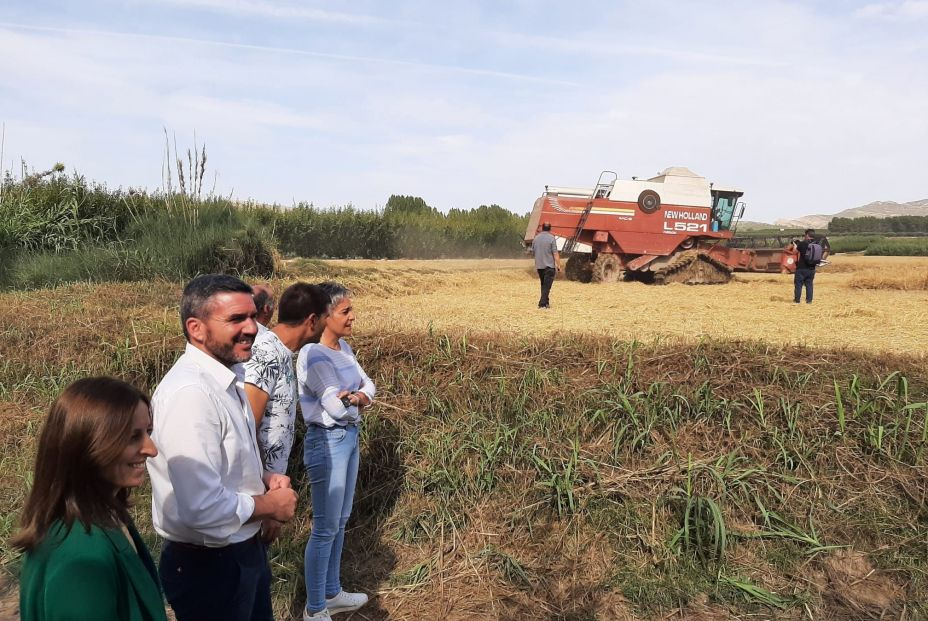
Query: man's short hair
<point>301,300</point>
<point>546,226</point>
<point>263,297</point>
<point>199,291</point>
<point>810,232</point>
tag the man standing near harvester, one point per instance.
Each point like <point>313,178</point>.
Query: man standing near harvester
<point>547,261</point>
<point>812,253</point>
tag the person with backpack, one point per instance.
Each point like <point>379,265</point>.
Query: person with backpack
<point>811,254</point>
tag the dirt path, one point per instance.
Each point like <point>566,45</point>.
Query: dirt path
<point>9,599</point>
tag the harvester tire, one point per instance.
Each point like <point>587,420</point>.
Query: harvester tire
<point>579,267</point>
<point>607,268</point>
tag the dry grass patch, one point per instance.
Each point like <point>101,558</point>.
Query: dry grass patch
<point>537,465</point>
<point>540,478</point>
<point>908,280</point>
<point>852,588</point>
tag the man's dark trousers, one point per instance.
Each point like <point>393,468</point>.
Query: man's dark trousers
<point>803,277</point>
<point>546,275</point>
<point>232,583</point>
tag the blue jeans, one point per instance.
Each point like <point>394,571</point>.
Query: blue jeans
<point>331,460</point>
<point>803,278</point>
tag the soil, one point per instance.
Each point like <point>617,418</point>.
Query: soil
<point>9,599</point>
<point>852,588</point>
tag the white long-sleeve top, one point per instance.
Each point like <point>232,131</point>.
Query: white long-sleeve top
<point>321,374</point>
<point>208,468</point>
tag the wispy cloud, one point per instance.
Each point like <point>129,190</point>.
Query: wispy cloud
<point>230,112</point>
<point>476,71</point>
<point>894,11</point>
<point>279,10</point>
<point>602,48</point>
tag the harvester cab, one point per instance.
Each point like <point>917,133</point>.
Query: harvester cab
<point>726,210</point>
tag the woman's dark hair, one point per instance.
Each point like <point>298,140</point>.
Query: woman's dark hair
<point>88,427</point>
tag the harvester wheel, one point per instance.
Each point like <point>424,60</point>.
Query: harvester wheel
<point>607,268</point>
<point>579,267</point>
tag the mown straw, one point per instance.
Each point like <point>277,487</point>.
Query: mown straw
<point>752,307</point>
<point>909,279</point>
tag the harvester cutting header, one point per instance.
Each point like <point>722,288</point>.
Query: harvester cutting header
<point>670,228</point>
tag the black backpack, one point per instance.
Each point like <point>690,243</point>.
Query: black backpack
<point>813,253</point>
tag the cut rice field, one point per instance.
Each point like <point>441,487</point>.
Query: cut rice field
<point>638,452</point>
<point>874,304</point>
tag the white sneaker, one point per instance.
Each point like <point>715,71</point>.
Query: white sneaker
<point>345,602</point>
<point>322,615</point>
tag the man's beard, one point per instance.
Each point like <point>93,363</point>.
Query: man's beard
<point>225,352</point>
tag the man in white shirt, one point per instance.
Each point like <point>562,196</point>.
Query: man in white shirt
<point>210,493</point>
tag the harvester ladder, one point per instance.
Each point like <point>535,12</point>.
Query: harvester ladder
<point>739,213</point>
<point>602,189</point>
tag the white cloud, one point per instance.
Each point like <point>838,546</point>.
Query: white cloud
<point>276,10</point>
<point>290,51</point>
<point>227,113</point>
<point>894,11</point>
<point>602,46</point>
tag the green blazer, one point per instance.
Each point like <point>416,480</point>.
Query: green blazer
<point>81,576</point>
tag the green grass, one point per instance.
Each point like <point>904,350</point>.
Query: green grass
<point>905,246</point>
<point>880,244</point>
<point>61,230</point>
<point>853,243</point>
<point>57,229</point>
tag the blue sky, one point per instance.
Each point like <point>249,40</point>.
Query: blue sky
<point>809,107</point>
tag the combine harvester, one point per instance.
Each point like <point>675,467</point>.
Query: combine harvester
<point>673,227</point>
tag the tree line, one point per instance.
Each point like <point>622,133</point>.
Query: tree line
<point>57,228</point>
<point>407,227</point>
<point>872,224</point>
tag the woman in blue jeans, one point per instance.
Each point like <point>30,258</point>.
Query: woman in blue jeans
<point>334,390</point>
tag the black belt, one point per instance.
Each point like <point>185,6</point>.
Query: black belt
<point>205,549</point>
<point>336,426</point>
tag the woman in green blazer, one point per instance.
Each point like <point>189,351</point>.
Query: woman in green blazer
<point>83,557</point>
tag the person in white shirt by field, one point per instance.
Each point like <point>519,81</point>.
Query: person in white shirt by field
<point>270,380</point>
<point>210,492</point>
<point>334,390</point>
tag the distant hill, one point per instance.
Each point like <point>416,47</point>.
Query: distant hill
<point>748,225</point>
<point>879,209</point>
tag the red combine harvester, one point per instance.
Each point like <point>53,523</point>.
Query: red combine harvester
<point>671,228</point>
